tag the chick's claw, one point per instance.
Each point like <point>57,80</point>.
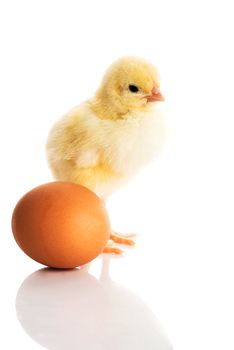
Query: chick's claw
<point>112,250</point>
<point>121,239</point>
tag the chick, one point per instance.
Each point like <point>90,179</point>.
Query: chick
<point>105,141</point>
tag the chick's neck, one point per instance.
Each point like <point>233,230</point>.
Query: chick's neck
<point>106,109</point>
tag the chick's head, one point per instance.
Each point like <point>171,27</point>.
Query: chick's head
<point>129,84</point>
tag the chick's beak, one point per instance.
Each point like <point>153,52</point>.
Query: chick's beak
<point>156,95</point>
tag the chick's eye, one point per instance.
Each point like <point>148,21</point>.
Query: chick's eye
<point>133,88</point>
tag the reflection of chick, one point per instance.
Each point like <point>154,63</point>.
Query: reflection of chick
<point>106,140</point>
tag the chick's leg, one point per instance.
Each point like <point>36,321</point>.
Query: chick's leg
<point>118,237</point>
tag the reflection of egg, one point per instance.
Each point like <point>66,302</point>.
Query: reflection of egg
<point>73,310</point>
<point>61,224</point>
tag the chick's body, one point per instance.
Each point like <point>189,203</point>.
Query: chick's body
<point>106,140</point>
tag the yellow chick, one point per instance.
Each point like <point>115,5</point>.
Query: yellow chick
<point>105,141</point>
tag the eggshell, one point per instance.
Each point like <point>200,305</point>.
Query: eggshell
<point>61,224</point>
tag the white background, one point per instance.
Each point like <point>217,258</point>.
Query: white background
<point>53,54</point>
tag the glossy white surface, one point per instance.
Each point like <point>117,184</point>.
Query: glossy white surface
<point>180,276</point>
<point>76,310</point>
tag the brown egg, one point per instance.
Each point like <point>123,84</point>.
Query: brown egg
<point>61,224</point>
